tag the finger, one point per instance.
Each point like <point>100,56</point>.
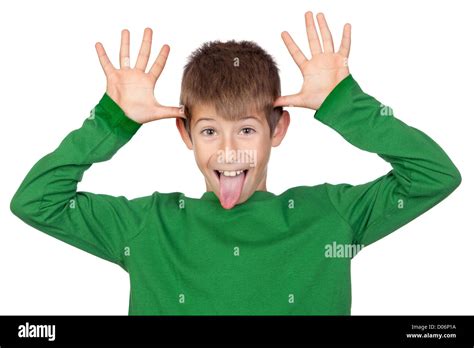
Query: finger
<point>345,47</point>
<point>160,62</point>
<point>313,37</point>
<point>104,59</point>
<point>144,53</point>
<point>169,112</point>
<point>125,49</point>
<point>287,100</point>
<point>325,33</point>
<point>294,50</point>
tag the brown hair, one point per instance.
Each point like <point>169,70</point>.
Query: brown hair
<point>234,77</point>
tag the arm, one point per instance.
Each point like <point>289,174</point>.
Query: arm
<point>48,200</point>
<point>422,173</point>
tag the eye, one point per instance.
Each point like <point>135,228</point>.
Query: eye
<point>208,131</point>
<point>248,130</point>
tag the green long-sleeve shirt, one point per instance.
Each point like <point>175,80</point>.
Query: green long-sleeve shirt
<point>274,254</point>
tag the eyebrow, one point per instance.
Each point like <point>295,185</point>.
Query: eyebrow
<point>204,119</point>
<point>243,118</point>
<point>256,118</point>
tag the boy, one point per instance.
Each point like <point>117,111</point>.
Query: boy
<point>239,249</point>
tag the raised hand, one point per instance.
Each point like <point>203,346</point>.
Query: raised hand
<point>133,88</point>
<point>324,70</point>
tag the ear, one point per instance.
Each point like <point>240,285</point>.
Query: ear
<point>281,128</point>
<point>184,133</point>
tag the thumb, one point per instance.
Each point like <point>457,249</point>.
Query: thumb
<point>168,112</point>
<point>288,100</point>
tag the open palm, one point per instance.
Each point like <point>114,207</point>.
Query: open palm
<point>133,88</point>
<point>324,70</point>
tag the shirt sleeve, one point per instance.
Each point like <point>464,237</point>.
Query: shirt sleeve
<point>422,174</point>
<point>48,199</point>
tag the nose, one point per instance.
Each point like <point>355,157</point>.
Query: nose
<point>228,148</point>
<point>229,142</point>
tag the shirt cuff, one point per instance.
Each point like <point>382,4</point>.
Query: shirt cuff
<point>339,94</point>
<point>116,117</point>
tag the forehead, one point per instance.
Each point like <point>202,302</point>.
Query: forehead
<point>209,113</point>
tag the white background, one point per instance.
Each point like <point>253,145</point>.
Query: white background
<point>416,57</point>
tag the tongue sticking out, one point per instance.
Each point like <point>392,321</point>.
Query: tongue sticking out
<point>230,188</point>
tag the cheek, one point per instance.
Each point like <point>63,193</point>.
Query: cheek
<point>203,153</point>
<point>262,161</point>
<point>262,150</point>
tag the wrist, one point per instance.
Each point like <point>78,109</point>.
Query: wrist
<point>317,99</point>
<point>116,117</point>
<point>337,96</point>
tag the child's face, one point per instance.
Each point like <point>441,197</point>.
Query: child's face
<point>233,146</point>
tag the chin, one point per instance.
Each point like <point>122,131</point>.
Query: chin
<point>243,197</point>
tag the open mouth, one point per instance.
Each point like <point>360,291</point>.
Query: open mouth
<point>230,185</point>
<point>230,173</point>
